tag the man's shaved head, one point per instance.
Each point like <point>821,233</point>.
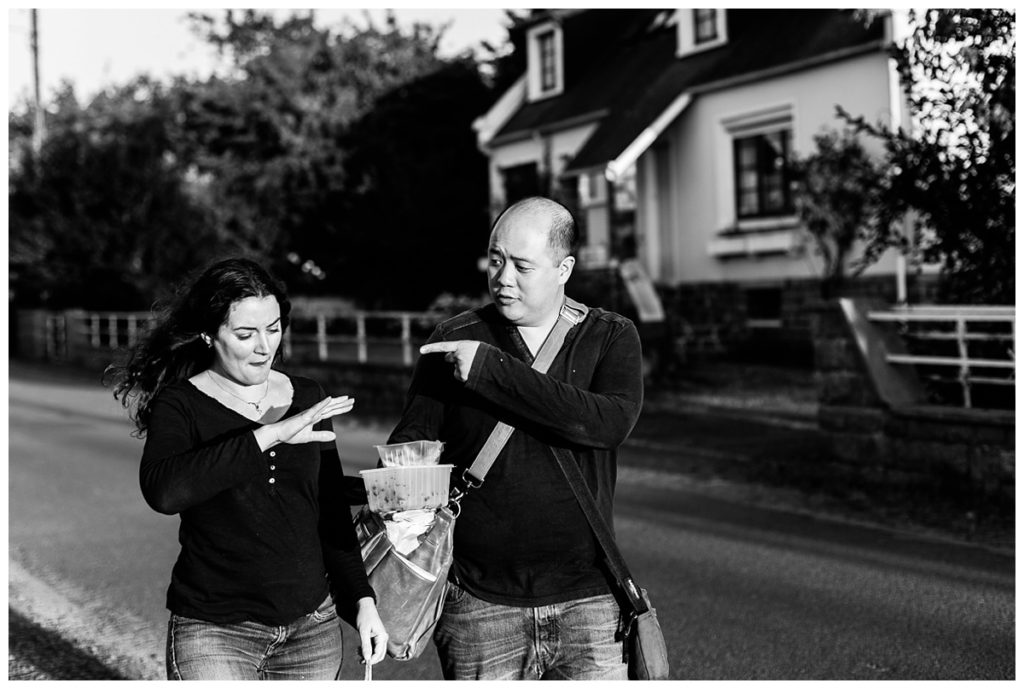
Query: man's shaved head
<point>563,233</point>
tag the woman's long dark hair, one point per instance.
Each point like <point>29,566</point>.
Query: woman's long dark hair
<point>173,349</point>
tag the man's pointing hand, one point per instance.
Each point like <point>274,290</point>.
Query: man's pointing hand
<point>458,352</point>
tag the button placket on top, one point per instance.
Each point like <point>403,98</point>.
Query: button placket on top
<point>272,480</point>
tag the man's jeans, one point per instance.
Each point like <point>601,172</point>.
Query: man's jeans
<point>309,648</point>
<point>572,640</point>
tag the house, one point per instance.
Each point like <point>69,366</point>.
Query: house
<point>667,131</point>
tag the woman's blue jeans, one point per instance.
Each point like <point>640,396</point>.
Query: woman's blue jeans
<point>309,648</point>
<point>572,640</point>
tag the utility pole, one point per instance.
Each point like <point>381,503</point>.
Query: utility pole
<point>37,131</point>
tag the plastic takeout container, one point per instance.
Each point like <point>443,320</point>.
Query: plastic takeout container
<point>395,489</point>
<point>414,453</point>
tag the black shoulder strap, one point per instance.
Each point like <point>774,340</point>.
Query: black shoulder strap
<point>616,563</point>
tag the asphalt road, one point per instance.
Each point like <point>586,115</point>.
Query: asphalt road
<point>742,592</point>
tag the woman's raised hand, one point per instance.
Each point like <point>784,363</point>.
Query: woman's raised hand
<point>298,429</point>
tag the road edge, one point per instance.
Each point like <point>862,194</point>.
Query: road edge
<point>116,638</point>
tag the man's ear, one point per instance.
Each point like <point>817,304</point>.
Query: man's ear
<point>565,269</point>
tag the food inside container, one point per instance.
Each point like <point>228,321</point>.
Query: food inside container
<point>414,453</point>
<point>395,489</point>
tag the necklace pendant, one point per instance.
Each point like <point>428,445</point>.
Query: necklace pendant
<point>255,405</point>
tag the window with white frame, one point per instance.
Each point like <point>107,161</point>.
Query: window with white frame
<point>761,173</point>
<point>544,58</point>
<point>592,188</point>
<point>546,45</point>
<point>700,29</point>
<point>705,26</point>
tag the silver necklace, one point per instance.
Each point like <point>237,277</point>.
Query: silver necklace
<point>255,405</point>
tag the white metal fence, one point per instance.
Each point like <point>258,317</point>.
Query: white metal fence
<point>360,336</point>
<point>968,346</point>
<point>975,342</point>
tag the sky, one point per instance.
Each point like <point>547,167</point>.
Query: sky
<point>94,48</point>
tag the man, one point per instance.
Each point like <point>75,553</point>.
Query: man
<point>529,598</point>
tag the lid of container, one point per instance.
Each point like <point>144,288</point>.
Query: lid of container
<point>406,468</point>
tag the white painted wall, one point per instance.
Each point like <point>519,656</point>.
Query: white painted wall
<point>701,180</point>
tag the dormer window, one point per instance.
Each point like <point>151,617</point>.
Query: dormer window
<point>705,26</point>
<point>544,55</point>
<point>698,30</point>
<point>546,43</point>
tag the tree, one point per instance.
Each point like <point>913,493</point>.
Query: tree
<point>955,173</point>
<point>272,139</point>
<point>103,216</point>
<point>417,213</point>
<point>837,196</point>
<point>506,63</point>
<point>340,158</point>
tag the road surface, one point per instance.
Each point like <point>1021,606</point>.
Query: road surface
<point>742,592</point>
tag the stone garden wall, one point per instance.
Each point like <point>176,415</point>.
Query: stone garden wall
<point>884,432</point>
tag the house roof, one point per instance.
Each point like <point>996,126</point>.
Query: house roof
<point>639,76</point>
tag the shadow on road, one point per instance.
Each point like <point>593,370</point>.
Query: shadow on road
<point>37,653</point>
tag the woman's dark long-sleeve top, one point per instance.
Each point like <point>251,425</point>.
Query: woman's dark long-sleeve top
<point>522,538</point>
<point>262,534</point>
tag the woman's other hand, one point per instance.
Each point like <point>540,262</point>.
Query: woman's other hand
<point>373,638</point>
<point>298,429</point>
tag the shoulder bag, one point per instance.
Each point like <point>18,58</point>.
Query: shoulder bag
<point>411,588</point>
<point>643,644</point>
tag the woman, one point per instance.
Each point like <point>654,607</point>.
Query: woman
<point>232,446</point>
